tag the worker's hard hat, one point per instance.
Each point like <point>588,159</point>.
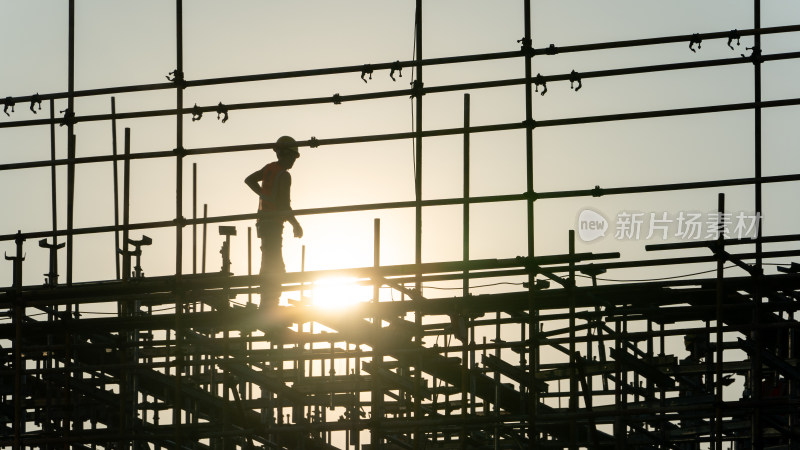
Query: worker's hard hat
<point>287,144</point>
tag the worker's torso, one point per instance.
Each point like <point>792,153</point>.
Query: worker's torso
<point>269,186</point>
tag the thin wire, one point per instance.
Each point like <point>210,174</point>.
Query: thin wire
<point>476,286</point>
<point>656,279</point>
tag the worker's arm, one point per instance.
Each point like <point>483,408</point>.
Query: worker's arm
<point>252,181</point>
<point>285,203</point>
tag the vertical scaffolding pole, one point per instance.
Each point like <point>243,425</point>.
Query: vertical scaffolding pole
<point>194,221</point>
<point>418,209</point>
<point>377,360</point>
<point>179,84</point>
<point>720,296</point>
<point>70,133</point>
<point>126,205</point>
<point>116,183</point>
<point>462,438</point>
<point>533,325</point>
<point>756,376</point>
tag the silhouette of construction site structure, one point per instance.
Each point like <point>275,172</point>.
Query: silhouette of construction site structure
<point>180,366</point>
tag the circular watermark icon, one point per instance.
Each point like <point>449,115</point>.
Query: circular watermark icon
<point>591,225</point>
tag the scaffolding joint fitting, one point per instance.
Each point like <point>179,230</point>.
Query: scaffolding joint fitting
<point>529,123</point>
<point>575,77</point>
<point>180,221</point>
<point>222,110</point>
<point>9,103</point>
<point>696,39</point>
<point>197,114</point>
<point>551,49</point>
<point>539,80</point>
<point>366,70</point>
<point>734,35</point>
<point>34,100</point>
<point>597,191</point>
<point>179,151</point>
<point>755,55</point>
<point>532,196</point>
<point>337,99</point>
<point>416,89</point>
<point>313,142</point>
<point>68,119</point>
<point>177,78</point>
<point>396,66</point>
<point>526,46</point>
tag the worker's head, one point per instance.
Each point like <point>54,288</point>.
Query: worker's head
<point>286,149</point>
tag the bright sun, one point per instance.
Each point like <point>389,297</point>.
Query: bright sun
<point>334,293</point>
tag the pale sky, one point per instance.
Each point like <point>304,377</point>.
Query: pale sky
<point>127,43</point>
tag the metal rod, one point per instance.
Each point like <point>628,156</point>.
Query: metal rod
<point>412,92</point>
<point>428,62</point>
<point>194,223</point>
<point>462,438</point>
<point>718,317</point>
<point>205,222</point>
<point>116,184</point>
<point>126,207</point>
<point>177,411</point>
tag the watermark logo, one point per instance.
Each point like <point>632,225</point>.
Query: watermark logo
<point>635,225</point>
<point>591,225</point>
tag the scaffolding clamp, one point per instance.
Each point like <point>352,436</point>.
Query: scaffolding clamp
<point>597,191</point>
<point>396,66</point>
<point>17,259</point>
<point>526,47</point>
<point>529,123</point>
<point>313,142</point>
<point>696,39</point>
<point>540,81</point>
<point>68,119</point>
<point>9,103</point>
<point>531,195</point>
<point>416,89</point>
<point>551,50</point>
<point>734,34</point>
<point>575,77</point>
<point>52,276</point>
<point>366,70</point>
<point>177,78</point>
<point>337,99</point>
<point>196,113</point>
<point>222,110</point>
<point>755,54</point>
<point>34,100</point>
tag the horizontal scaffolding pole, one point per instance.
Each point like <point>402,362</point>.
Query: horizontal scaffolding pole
<point>336,98</point>
<point>404,64</point>
<point>595,192</point>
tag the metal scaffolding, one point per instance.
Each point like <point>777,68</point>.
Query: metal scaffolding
<point>180,365</point>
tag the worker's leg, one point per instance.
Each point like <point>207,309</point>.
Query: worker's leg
<point>272,266</point>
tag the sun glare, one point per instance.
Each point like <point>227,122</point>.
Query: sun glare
<point>335,293</point>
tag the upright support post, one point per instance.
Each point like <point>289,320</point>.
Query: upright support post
<point>418,241</point>
<point>533,320</point>
<point>465,368</point>
<point>126,205</point>
<point>573,375</point>
<point>116,183</point>
<point>377,360</point>
<point>177,414</point>
<point>70,136</point>
<point>18,309</point>
<point>720,297</point>
<point>756,377</point>
<point>194,219</point>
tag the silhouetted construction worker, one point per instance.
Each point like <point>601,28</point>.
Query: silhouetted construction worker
<point>272,184</point>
